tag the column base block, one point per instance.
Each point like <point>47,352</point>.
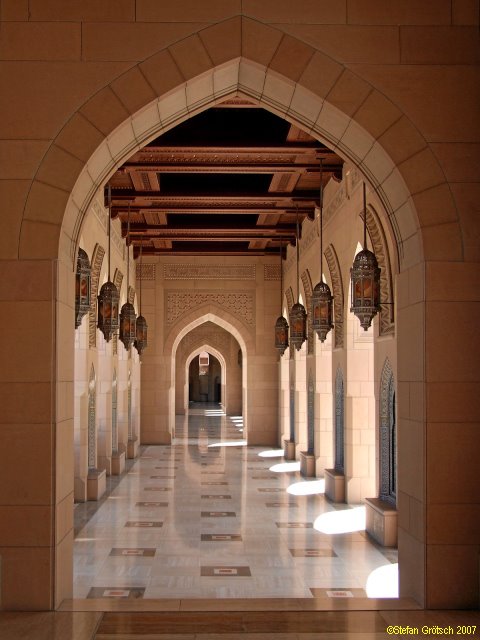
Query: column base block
<point>382,522</point>
<point>334,485</point>
<point>289,450</point>
<point>132,449</point>
<point>118,463</point>
<point>307,464</point>
<point>96,484</point>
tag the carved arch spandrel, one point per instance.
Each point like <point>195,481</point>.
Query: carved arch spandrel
<point>338,295</point>
<point>380,248</point>
<point>97,259</point>
<point>308,289</point>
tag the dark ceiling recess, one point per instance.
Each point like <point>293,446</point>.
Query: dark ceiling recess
<point>228,181</point>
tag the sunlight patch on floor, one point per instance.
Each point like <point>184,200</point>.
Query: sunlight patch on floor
<point>307,488</point>
<point>346,521</point>
<point>383,582</point>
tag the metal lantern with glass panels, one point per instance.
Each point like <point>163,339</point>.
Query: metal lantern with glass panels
<point>281,325</point>
<point>128,317</point>
<point>281,335</point>
<point>298,314</point>
<point>141,342</point>
<point>322,310</point>
<point>365,277</point>
<point>82,287</point>
<point>298,325</point>
<point>108,298</point>
<point>322,299</point>
<point>141,328</point>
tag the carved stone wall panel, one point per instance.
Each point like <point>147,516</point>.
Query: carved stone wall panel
<point>271,272</point>
<point>145,271</point>
<point>97,259</point>
<point>289,296</point>
<point>208,272</point>
<point>338,297</point>
<point>241,304</point>
<point>131,295</point>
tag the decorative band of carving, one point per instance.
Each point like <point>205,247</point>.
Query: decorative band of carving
<point>289,296</point>
<point>208,272</point>
<point>97,259</point>
<point>131,295</point>
<point>337,286</point>
<point>380,249</point>
<point>240,303</point>
<point>271,272</point>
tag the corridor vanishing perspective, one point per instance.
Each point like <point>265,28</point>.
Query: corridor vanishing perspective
<point>210,517</point>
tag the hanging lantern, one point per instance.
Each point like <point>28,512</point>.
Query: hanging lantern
<point>82,287</point>
<point>141,342</point>
<point>108,297</point>
<point>281,325</point>
<point>141,329</point>
<point>298,314</point>
<point>298,325</point>
<point>128,317</point>
<point>322,299</point>
<point>322,310</point>
<point>281,335</point>
<point>365,277</point>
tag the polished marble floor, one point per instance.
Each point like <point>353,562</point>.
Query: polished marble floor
<point>210,517</point>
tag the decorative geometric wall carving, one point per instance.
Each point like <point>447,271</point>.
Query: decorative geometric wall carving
<point>208,272</point>
<point>307,287</point>
<point>311,413</point>
<point>131,295</point>
<point>271,272</point>
<point>388,437</point>
<point>92,429</point>
<point>380,248</point>
<point>339,427</point>
<point>241,304</point>
<point>337,286</point>
<point>289,296</point>
<point>97,259</point>
<point>147,271</point>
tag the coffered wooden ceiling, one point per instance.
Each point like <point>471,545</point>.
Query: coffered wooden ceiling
<point>228,181</point>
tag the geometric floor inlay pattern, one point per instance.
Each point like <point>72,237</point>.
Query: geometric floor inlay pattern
<point>232,526</point>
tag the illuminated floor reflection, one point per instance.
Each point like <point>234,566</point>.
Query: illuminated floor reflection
<point>210,517</point>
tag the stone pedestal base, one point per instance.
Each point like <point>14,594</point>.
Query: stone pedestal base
<point>289,450</point>
<point>96,484</point>
<point>132,448</point>
<point>334,485</point>
<point>118,463</point>
<point>382,520</point>
<point>307,464</point>
<point>104,462</point>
